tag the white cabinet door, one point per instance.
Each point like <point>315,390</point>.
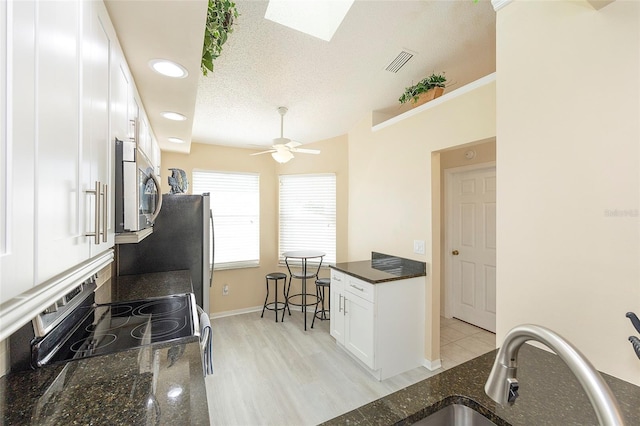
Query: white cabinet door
<point>133,113</point>
<point>17,147</point>
<point>119,98</point>
<point>359,328</point>
<point>144,139</point>
<point>337,306</point>
<point>59,191</point>
<point>99,148</point>
<point>157,157</point>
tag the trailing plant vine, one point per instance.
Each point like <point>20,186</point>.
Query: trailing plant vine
<point>220,18</point>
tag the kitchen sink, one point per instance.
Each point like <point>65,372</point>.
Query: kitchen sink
<point>455,415</point>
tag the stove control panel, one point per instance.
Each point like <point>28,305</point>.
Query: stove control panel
<point>54,314</point>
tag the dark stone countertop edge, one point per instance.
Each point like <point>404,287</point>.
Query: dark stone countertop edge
<point>382,268</point>
<point>549,393</point>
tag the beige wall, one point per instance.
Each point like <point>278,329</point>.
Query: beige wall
<point>390,184</point>
<point>247,286</point>
<point>569,155</point>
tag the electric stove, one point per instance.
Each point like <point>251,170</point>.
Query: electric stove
<point>100,329</point>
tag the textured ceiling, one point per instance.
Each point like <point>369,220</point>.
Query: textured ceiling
<point>327,86</point>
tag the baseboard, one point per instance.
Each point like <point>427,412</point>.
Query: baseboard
<point>432,365</point>
<point>235,312</point>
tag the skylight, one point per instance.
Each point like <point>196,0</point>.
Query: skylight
<point>318,18</point>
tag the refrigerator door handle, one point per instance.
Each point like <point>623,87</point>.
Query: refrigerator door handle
<point>212,249</point>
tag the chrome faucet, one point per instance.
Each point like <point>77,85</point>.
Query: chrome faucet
<point>502,384</point>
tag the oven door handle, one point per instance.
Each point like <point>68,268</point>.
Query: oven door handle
<point>156,212</point>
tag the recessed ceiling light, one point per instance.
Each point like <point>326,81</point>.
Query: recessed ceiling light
<point>320,19</point>
<point>175,116</point>
<point>168,68</point>
<point>175,140</point>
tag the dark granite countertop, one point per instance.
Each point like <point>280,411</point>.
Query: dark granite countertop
<point>549,395</point>
<point>383,268</point>
<point>156,384</point>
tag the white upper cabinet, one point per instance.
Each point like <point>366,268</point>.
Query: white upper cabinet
<point>156,157</point>
<point>120,88</point>
<point>59,191</point>
<point>17,151</point>
<point>68,95</point>
<point>99,145</point>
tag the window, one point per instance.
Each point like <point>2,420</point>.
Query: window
<point>235,203</point>
<point>308,214</point>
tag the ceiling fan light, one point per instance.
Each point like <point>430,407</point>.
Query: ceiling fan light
<point>282,156</point>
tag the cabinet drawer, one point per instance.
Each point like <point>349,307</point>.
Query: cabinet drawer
<point>360,288</point>
<point>337,278</point>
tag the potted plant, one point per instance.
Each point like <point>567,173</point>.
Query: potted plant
<point>425,90</point>
<point>220,17</point>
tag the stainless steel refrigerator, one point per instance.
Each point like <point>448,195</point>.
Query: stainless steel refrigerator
<point>182,238</point>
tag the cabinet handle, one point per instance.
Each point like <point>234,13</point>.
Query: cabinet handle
<point>345,306</point>
<point>133,124</point>
<point>356,287</point>
<point>96,234</point>
<point>105,211</point>
<point>340,303</point>
<point>336,279</point>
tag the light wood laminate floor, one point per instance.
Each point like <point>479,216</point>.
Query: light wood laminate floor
<point>268,373</point>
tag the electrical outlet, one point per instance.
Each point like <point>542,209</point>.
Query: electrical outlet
<point>225,290</point>
<point>418,246</point>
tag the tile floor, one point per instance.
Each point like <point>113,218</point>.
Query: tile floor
<point>460,342</point>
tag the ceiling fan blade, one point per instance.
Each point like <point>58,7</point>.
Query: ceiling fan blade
<point>306,151</point>
<point>263,152</point>
<point>293,144</point>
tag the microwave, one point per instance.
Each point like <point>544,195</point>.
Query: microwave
<point>137,189</point>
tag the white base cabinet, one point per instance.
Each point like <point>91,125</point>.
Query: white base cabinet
<point>381,325</point>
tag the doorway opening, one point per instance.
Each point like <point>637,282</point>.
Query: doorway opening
<point>463,158</point>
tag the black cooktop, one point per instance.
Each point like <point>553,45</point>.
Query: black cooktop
<point>116,327</point>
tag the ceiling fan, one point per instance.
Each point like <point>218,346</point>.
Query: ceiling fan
<point>283,148</point>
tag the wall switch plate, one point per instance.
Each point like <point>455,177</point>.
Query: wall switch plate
<point>225,290</point>
<point>418,246</point>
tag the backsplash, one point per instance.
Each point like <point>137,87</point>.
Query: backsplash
<point>4,357</point>
<point>396,265</point>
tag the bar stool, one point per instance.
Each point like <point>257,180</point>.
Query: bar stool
<point>321,285</point>
<point>275,306</point>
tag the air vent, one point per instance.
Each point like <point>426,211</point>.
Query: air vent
<point>402,58</point>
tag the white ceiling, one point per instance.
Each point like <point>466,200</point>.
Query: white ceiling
<point>327,86</point>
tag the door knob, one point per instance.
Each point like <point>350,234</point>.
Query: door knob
<point>455,252</point>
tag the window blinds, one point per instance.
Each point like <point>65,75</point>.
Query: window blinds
<point>308,214</point>
<point>235,203</point>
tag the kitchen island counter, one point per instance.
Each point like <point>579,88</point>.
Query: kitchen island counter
<point>383,268</point>
<point>156,384</point>
<point>549,395</point>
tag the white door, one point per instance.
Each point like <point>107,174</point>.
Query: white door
<point>472,246</point>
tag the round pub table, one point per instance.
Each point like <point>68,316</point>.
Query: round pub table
<point>301,258</point>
